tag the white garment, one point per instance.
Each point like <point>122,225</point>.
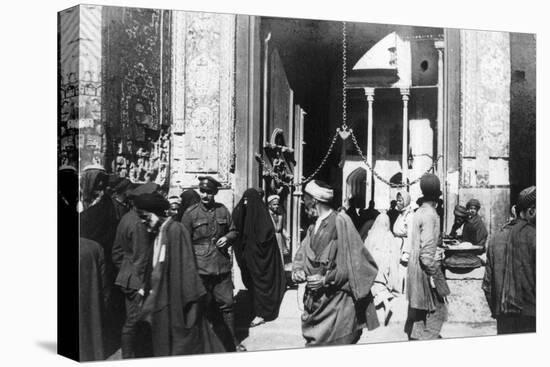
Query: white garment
<point>159,248</point>
<point>403,226</point>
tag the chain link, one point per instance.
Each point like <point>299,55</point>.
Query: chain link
<point>344,77</point>
<point>343,130</point>
<point>378,176</point>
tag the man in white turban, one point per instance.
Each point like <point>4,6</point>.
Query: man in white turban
<point>278,216</point>
<point>339,273</point>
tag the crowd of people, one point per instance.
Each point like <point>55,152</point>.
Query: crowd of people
<point>156,272</point>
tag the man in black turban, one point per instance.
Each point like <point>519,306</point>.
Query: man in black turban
<point>461,214</point>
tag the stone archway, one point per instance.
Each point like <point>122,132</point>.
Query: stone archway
<point>356,184</point>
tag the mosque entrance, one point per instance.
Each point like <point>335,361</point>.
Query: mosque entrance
<point>394,104</point>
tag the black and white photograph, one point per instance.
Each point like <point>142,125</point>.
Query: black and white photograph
<point>251,183</point>
<point>235,180</point>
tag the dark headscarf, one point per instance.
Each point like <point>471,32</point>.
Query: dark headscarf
<point>92,179</point>
<point>188,197</point>
<point>258,256</point>
<point>253,220</point>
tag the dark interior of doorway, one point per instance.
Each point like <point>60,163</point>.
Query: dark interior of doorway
<point>311,51</point>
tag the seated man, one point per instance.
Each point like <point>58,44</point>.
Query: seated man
<point>461,214</point>
<point>474,230</point>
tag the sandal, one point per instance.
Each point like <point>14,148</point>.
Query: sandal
<point>257,322</point>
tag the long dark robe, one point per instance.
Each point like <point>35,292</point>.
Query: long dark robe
<point>176,303</point>
<point>99,223</point>
<point>519,289</point>
<point>493,279</point>
<point>258,256</point>
<point>337,313</point>
<point>91,301</point>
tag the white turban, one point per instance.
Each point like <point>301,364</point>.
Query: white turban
<point>273,197</point>
<point>174,200</point>
<point>323,194</point>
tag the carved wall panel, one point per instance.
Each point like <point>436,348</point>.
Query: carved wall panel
<point>68,86</point>
<point>485,60</point>
<point>80,124</point>
<point>138,67</point>
<point>202,94</point>
<point>485,123</point>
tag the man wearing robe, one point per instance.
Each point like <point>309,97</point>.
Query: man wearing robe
<point>474,230</point>
<point>339,273</point>
<point>510,273</point>
<point>175,296</point>
<point>426,285</point>
<point>209,222</point>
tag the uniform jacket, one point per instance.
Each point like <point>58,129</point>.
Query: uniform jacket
<point>132,251</point>
<point>206,226</point>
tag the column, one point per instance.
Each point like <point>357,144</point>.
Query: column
<point>439,45</point>
<point>404,159</point>
<point>369,92</point>
<point>265,112</point>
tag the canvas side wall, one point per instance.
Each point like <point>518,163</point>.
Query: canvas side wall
<point>67,184</point>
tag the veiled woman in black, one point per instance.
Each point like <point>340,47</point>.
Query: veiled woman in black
<point>257,254</point>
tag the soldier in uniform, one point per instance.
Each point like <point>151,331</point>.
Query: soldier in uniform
<point>209,225</point>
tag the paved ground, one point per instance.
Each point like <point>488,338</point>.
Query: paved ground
<point>285,332</point>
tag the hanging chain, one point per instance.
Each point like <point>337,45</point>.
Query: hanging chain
<point>344,77</point>
<point>387,182</point>
<point>343,131</point>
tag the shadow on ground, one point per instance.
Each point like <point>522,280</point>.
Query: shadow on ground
<point>50,346</point>
<point>243,314</point>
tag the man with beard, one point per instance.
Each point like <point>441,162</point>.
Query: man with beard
<point>208,223</point>
<point>175,294</point>
<point>339,273</point>
<point>510,273</point>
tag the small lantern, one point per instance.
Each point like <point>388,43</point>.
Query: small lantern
<point>410,160</point>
